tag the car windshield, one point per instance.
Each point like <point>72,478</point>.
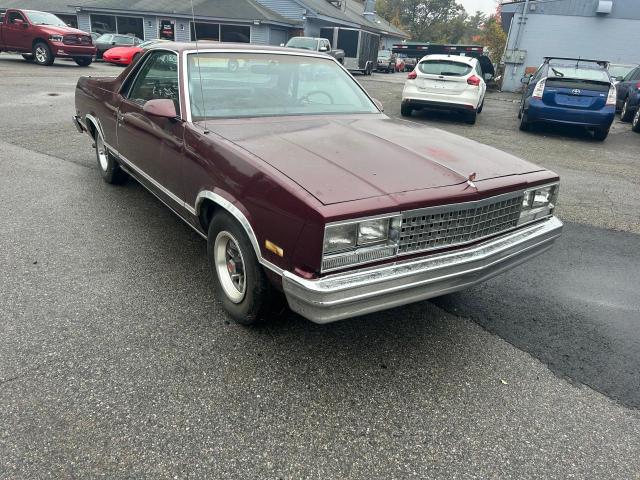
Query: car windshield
<point>444,67</point>
<point>105,38</point>
<point>573,72</point>
<point>384,54</point>
<point>43,18</point>
<point>305,43</point>
<point>261,85</point>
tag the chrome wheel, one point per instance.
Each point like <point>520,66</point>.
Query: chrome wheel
<point>102,153</point>
<point>623,113</point>
<point>41,54</point>
<point>230,266</point>
<point>635,125</point>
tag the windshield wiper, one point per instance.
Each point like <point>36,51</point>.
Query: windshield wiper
<point>557,73</point>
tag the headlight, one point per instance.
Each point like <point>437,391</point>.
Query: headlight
<point>56,38</point>
<point>538,203</point>
<point>360,241</point>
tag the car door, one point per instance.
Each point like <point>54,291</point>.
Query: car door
<point>152,145</point>
<point>16,36</point>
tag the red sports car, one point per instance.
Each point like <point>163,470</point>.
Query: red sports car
<point>126,55</point>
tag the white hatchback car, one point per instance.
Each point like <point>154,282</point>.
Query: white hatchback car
<point>445,82</point>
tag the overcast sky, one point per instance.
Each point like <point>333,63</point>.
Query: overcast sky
<point>486,6</point>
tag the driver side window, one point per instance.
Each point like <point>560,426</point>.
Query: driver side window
<point>158,79</point>
<point>13,16</point>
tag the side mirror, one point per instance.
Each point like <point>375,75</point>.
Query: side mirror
<point>378,104</point>
<point>323,49</point>
<point>164,108</point>
<point>487,77</point>
<point>113,43</point>
<point>282,44</point>
<point>620,78</point>
<point>526,79</point>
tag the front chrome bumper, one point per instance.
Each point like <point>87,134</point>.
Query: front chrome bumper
<point>367,290</point>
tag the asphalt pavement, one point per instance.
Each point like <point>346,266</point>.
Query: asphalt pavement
<point>117,361</point>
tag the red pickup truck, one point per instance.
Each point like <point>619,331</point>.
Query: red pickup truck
<point>41,37</point>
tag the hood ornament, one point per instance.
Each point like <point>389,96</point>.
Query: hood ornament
<point>470,180</point>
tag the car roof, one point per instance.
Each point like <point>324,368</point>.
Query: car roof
<point>209,46</point>
<point>454,58</point>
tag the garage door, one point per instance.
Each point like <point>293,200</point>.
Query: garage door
<point>276,37</point>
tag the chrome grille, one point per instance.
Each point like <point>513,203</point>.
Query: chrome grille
<point>450,225</point>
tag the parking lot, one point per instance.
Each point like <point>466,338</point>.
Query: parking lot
<point>117,361</point>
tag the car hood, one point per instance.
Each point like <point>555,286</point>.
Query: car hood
<point>345,159</point>
<point>53,30</point>
<point>120,50</point>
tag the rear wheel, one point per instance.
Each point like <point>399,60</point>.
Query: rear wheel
<point>625,114</point>
<point>481,106</point>
<point>524,121</point>
<point>470,117</point>
<point>83,61</point>
<point>600,134</point>
<point>109,168</point>
<point>406,110</point>
<point>635,125</point>
<point>239,281</point>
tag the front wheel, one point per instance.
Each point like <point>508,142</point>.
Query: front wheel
<point>136,57</point>
<point>83,61</point>
<point>635,125</point>
<point>600,134</point>
<point>239,281</point>
<point>42,54</point>
<point>524,121</point>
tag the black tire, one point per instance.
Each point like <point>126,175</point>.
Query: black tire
<point>524,121</point>
<point>635,124</point>
<point>406,110</point>
<point>136,57</point>
<point>27,57</point>
<point>625,114</point>
<point>258,301</point>
<point>470,117</point>
<point>481,106</point>
<point>42,54</point>
<point>109,169</point>
<point>83,61</point>
<point>600,134</point>
<point>520,112</point>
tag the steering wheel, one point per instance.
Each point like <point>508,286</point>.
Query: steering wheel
<point>316,92</point>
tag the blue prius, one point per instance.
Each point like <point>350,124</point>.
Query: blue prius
<point>570,91</point>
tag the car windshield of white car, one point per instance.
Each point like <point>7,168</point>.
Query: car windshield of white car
<point>304,43</point>
<point>232,85</point>
<point>444,67</point>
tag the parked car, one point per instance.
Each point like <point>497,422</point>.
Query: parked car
<point>617,71</point>
<point>243,158</point>
<point>569,91</point>
<point>108,41</point>
<point>42,37</point>
<point>386,61</point>
<point>409,63</point>
<point>628,94</point>
<point>126,55</point>
<point>445,82</point>
<point>317,45</point>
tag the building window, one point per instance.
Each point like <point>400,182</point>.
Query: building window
<point>167,29</point>
<point>117,24</point>
<point>205,31</point>
<point>103,24</point>
<point>235,33</point>
<point>71,20</point>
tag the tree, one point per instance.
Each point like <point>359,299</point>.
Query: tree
<point>494,38</point>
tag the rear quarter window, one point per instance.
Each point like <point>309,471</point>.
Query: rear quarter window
<point>447,68</point>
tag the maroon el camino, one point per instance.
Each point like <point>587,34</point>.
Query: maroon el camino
<point>300,183</point>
